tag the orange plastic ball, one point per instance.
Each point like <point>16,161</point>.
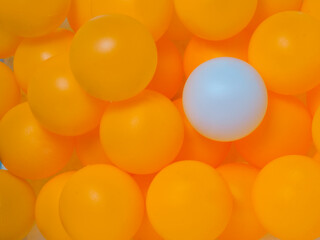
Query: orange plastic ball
<point>155,15</point>
<point>199,50</point>
<point>215,19</point>
<point>168,77</point>
<point>197,147</point>
<point>29,151</point>
<point>8,43</point>
<point>312,7</point>
<point>142,135</point>
<point>189,200</point>
<point>109,66</point>
<point>9,91</point>
<point>316,129</point>
<point>285,130</point>
<point>244,223</point>
<point>284,50</point>
<point>89,149</point>
<point>47,208</point>
<point>286,198</point>
<point>32,52</point>
<point>101,202</point>
<point>59,103</point>
<point>16,207</point>
<point>32,18</point>
<point>313,99</point>
<point>177,31</point>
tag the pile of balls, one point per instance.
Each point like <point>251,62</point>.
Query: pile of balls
<point>160,119</point>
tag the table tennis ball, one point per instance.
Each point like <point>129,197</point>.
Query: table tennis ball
<point>182,205</point>
<point>285,198</point>
<point>32,52</point>
<point>9,91</point>
<point>143,134</point>
<point>313,99</point>
<point>17,207</point>
<point>8,43</point>
<point>29,151</point>
<point>101,202</point>
<point>32,18</point>
<point>121,68</point>
<point>168,77</point>
<point>284,49</point>
<point>197,147</point>
<point>225,99</point>
<point>59,103</point>
<point>285,130</point>
<point>47,208</point>
<point>312,7</point>
<point>199,50</point>
<point>244,223</point>
<point>215,20</point>
<point>89,149</point>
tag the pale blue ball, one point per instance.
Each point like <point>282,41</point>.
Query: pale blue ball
<point>225,99</point>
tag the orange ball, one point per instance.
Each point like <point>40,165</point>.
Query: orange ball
<point>189,200</point>
<point>199,50</point>
<point>32,52</point>
<point>168,77</point>
<point>59,103</point>
<point>197,147</point>
<point>284,49</point>
<point>316,129</point>
<point>17,207</point>
<point>177,31</point>
<point>9,90</point>
<point>312,7</point>
<point>313,99</point>
<point>285,130</point>
<point>101,202</point>
<point>286,198</point>
<point>244,223</point>
<point>47,208</point>
<point>89,149</point>
<point>8,43</point>
<point>142,135</point>
<point>121,69</point>
<point>29,151</point>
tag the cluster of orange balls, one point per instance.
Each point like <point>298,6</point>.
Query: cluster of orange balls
<point>94,137</point>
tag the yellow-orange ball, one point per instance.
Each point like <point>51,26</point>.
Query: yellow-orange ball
<point>8,43</point>
<point>142,135</point>
<point>101,202</point>
<point>113,57</point>
<point>244,223</point>
<point>316,129</point>
<point>59,103</point>
<point>189,200</point>
<point>29,151</point>
<point>16,207</point>
<point>32,18</point>
<point>285,130</point>
<point>285,197</point>
<point>9,90</point>
<point>177,31</point>
<point>47,208</point>
<point>313,99</point>
<point>312,7</point>
<point>32,52</point>
<point>215,20</point>
<point>284,49</point>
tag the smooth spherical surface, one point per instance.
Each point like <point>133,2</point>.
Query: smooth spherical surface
<point>285,197</point>
<point>244,223</point>
<point>32,52</point>
<point>9,90</point>
<point>59,103</point>
<point>311,7</point>
<point>284,49</point>
<point>316,129</point>
<point>8,43</point>
<point>225,99</point>
<point>189,200</point>
<point>106,64</point>
<point>215,19</point>
<point>32,18</point>
<point>142,135</point>
<point>16,207</point>
<point>29,151</point>
<point>285,130</point>
<point>313,99</point>
<point>197,147</point>
<point>47,208</point>
<point>101,202</point>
